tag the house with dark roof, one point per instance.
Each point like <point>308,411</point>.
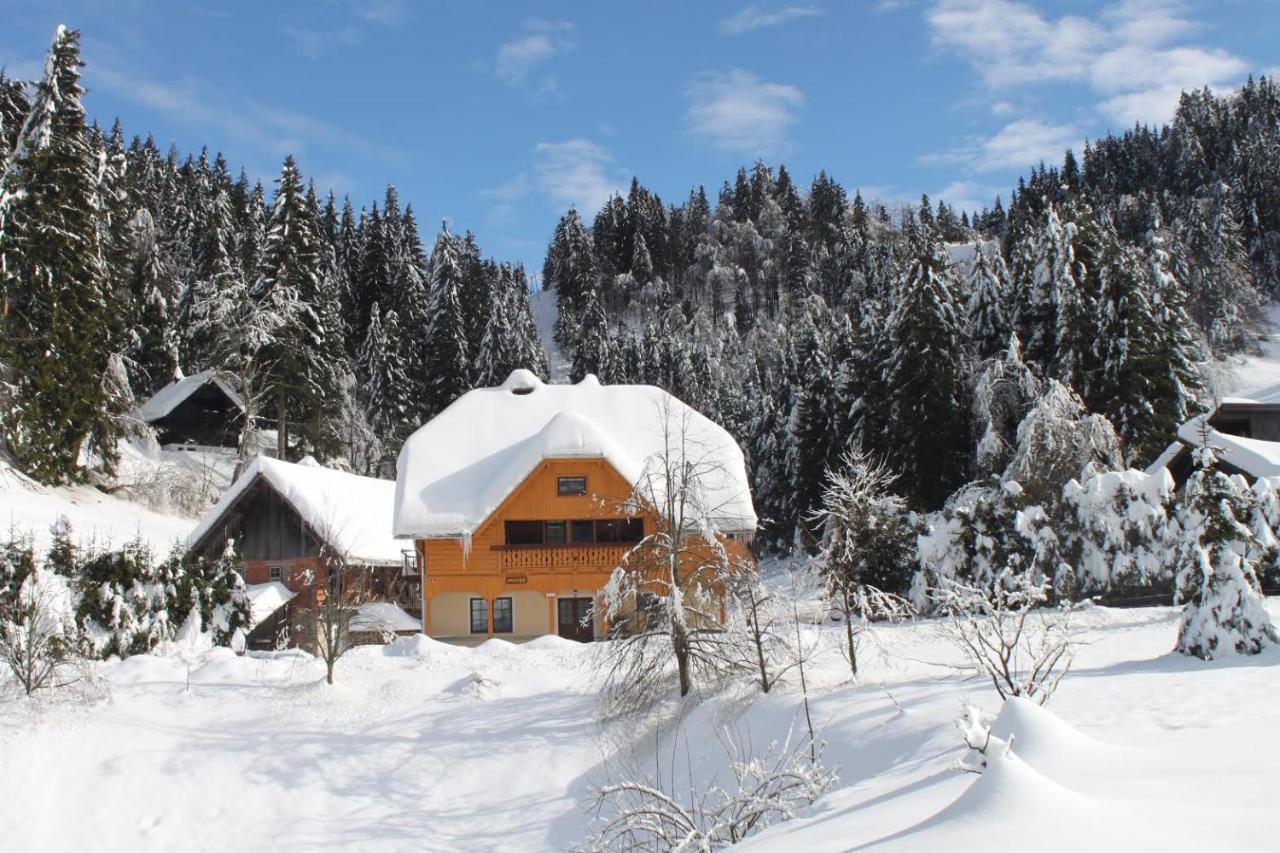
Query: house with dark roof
<point>1244,430</point>
<point>201,409</point>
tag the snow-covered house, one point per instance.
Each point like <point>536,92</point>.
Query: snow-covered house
<point>285,517</point>
<point>201,409</point>
<point>1245,430</point>
<point>516,500</point>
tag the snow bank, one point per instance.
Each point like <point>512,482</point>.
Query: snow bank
<point>383,616</point>
<point>455,470</point>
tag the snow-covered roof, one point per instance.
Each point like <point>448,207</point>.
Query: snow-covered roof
<point>351,513</point>
<point>1260,395</point>
<point>172,395</point>
<point>455,470</point>
<point>383,616</point>
<point>1253,456</point>
<point>265,599</point>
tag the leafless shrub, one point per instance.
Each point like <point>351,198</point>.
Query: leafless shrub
<point>38,634</point>
<point>990,624</point>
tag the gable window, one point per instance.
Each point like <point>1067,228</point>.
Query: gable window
<point>502,621</point>
<point>524,532</point>
<point>274,572</point>
<point>479,616</point>
<point>583,532</point>
<point>555,533</point>
<point>571,485</point>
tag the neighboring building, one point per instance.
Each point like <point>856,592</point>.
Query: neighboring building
<point>201,409</point>
<point>284,516</point>
<point>516,500</point>
<point>1244,430</point>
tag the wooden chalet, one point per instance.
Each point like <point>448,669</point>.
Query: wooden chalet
<point>201,409</point>
<point>515,501</point>
<point>284,518</point>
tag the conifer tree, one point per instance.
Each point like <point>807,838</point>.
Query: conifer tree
<point>924,378</point>
<point>989,302</point>
<point>447,365</point>
<point>61,326</point>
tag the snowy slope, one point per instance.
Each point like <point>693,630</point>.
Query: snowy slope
<point>543,305</point>
<point>429,746</point>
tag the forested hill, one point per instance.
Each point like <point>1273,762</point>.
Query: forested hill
<point>810,323</point>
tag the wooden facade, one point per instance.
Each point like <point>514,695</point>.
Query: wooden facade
<point>208,417</point>
<point>490,587</point>
<point>277,544</point>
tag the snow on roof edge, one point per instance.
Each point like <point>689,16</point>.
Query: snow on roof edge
<point>168,398</point>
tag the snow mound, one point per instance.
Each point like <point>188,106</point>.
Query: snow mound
<point>1040,737</point>
<point>476,687</point>
<point>418,646</point>
<point>496,646</point>
<point>553,642</point>
<point>1011,790</point>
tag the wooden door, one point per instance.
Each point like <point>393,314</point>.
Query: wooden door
<point>574,622</point>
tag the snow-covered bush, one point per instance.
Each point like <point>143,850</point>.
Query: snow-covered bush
<point>656,814</point>
<point>975,726</point>
<point>1114,529</point>
<point>1022,648</point>
<point>1216,562</point>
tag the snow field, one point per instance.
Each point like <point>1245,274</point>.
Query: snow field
<point>424,745</point>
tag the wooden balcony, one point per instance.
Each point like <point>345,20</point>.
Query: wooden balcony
<point>561,558</point>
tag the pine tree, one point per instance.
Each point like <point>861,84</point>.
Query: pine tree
<point>989,302</point>
<point>61,326</point>
<point>1216,567</point>
<point>448,367</point>
<point>924,378</point>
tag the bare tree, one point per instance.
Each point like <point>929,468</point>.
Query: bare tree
<point>665,605</point>
<point>38,633</point>
<point>655,814</point>
<point>340,590</point>
<point>992,625</point>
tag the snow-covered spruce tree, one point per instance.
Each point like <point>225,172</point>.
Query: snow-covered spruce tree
<point>570,270</point>
<point>385,382</point>
<point>664,605</point>
<point>989,301</point>
<point>124,601</point>
<point>924,438</point>
<point>592,348</point>
<point>284,293</point>
<point>60,324</point>
<point>152,353</point>
<point>867,549</point>
<point>1217,568</point>
<point>1221,299</point>
<point>447,364</point>
<point>1044,272</point>
<point>1004,391</point>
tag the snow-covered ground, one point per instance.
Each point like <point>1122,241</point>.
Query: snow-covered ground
<point>427,746</point>
<point>1255,370</point>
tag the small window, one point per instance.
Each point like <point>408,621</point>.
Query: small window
<point>502,621</point>
<point>275,572</point>
<point>555,533</point>
<point>479,616</point>
<point>524,532</point>
<point>583,532</point>
<point>571,485</point>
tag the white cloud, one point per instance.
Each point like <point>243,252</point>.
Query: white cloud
<point>520,57</point>
<point>314,43</point>
<point>1019,144</point>
<point>754,18</point>
<point>742,114</point>
<point>575,173</point>
<point>1134,55</point>
<point>966,196</point>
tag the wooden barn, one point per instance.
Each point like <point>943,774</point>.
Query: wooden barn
<point>285,518</point>
<point>201,409</point>
<point>516,501</point>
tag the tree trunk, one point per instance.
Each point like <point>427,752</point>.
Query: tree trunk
<point>681,645</point>
<point>848,632</point>
<point>282,427</point>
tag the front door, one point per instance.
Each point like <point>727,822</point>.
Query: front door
<point>575,619</point>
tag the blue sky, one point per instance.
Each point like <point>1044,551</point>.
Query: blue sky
<point>499,115</point>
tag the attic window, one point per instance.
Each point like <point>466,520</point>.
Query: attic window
<point>571,485</point>
<point>522,391</point>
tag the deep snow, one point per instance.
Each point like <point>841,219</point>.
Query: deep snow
<point>423,745</point>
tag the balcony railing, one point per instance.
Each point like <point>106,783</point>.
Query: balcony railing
<point>564,558</point>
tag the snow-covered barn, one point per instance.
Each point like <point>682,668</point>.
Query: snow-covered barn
<point>284,516</point>
<point>201,409</point>
<point>516,499</point>
<point>1245,430</point>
